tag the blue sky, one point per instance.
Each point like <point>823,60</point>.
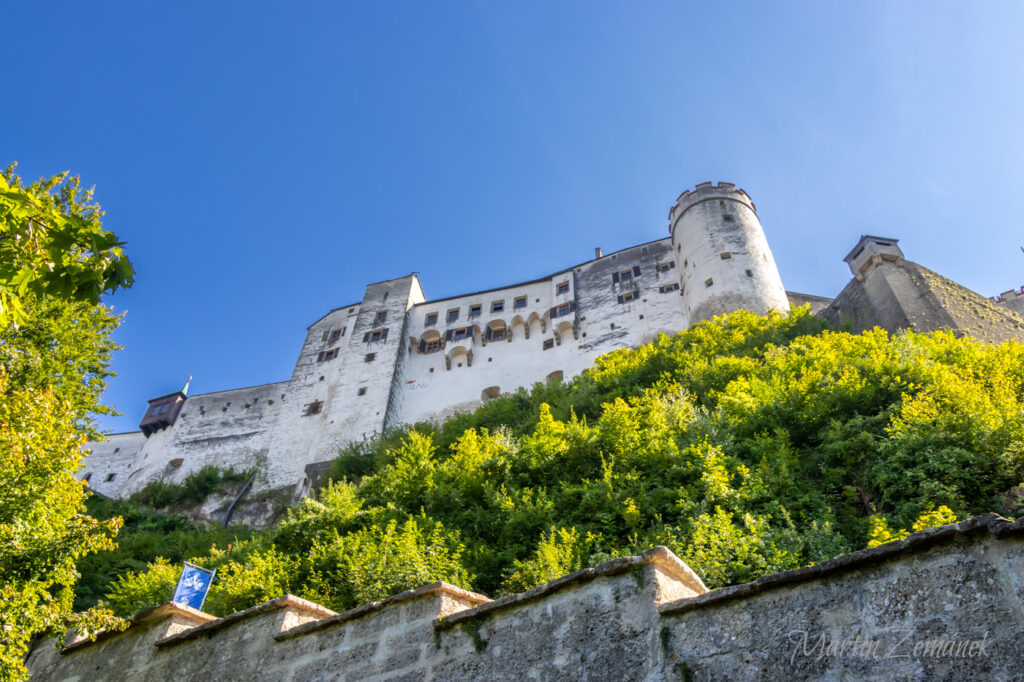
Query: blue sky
<point>265,161</point>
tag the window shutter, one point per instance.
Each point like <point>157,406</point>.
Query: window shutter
<point>487,333</point>
<point>621,297</point>
<point>553,313</point>
<point>636,270</point>
<point>325,335</point>
<point>366,337</point>
<point>384,335</point>
<point>671,263</point>
<point>615,278</point>
<point>572,306</point>
<point>448,336</point>
<point>320,357</point>
<point>423,346</point>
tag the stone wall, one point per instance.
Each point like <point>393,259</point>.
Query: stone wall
<point>945,603</point>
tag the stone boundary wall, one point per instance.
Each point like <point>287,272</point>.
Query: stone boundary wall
<point>945,603</point>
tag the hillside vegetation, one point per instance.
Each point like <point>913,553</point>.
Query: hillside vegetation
<point>748,445</point>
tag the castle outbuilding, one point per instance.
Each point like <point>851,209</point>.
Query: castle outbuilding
<point>396,357</point>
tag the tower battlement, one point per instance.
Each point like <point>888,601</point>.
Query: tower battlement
<point>706,191</point>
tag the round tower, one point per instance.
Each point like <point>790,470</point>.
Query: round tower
<point>722,254</point>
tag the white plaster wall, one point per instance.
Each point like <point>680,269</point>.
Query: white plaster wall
<point>113,459</point>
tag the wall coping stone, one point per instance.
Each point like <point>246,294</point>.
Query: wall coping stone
<point>659,556</point>
<point>367,609</point>
<point>153,614</point>
<point>992,523</point>
<point>212,626</point>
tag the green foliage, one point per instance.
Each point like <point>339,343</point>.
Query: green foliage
<point>747,445</point>
<point>52,244</point>
<point>55,261</point>
<point>193,490</point>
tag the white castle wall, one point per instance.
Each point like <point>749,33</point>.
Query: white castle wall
<point>347,385</point>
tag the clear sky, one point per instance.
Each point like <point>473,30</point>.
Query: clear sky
<point>265,161</point>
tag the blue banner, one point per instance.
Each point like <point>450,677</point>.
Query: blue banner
<point>193,585</point>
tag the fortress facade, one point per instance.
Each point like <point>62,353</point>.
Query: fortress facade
<point>395,357</point>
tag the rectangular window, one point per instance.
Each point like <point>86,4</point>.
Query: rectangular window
<point>498,334</point>
<point>431,346</point>
<point>370,357</point>
<point>563,288</point>
<point>665,267</point>
<point>475,310</point>
<point>462,333</point>
<point>725,255</point>
<point>520,302</point>
<point>326,355</point>
<point>376,335</point>
<point>362,390</point>
<point>563,309</point>
<point>708,282</point>
<point>626,275</point>
<point>313,408</point>
<point>336,334</point>
<point>668,287</point>
<point>382,317</point>
<point>431,320</point>
<point>549,344</point>
<point>627,297</point>
<point>498,306</point>
<point>453,315</point>
<point>111,477</point>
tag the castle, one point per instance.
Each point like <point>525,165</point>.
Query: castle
<point>395,357</point>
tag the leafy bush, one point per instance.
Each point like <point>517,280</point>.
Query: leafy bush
<point>193,490</point>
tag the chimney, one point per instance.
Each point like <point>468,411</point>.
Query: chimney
<point>598,253</point>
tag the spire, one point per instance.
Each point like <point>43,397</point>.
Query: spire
<point>184,389</point>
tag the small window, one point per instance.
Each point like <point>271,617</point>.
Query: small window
<point>327,355</point>
<point>164,407</point>
<point>382,317</point>
<point>336,334</point>
<point>498,306</point>
<point>625,275</point>
<point>564,309</point>
<point>709,281</point>
<point>627,297</point>
<point>376,335</point>
<point>313,408</point>
<point>462,333</point>
<point>498,334</point>
<point>562,288</point>
<point>361,391</point>
<point>431,346</point>
<point>549,344</point>
<point>665,267</point>
<point>750,273</point>
<point>475,310</point>
<point>370,357</point>
<point>453,315</point>
<point>668,287</point>
<point>520,302</point>
<point>643,250</point>
<point>431,320</point>
<point>117,450</point>
<point>110,477</point>
<point>727,217</point>
<point>726,255</point>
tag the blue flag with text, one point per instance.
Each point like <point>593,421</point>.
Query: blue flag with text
<point>193,586</point>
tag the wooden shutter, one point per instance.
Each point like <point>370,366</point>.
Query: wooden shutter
<point>636,270</point>
<point>423,346</point>
<point>671,263</point>
<point>621,298</point>
<point>615,278</point>
<point>320,357</point>
<point>366,337</point>
<point>487,333</point>
<point>448,335</point>
<point>572,306</point>
<point>553,313</point>
<point>384,335</point>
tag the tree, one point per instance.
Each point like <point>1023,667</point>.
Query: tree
<point>52,243</point>
<point>55,262</point>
